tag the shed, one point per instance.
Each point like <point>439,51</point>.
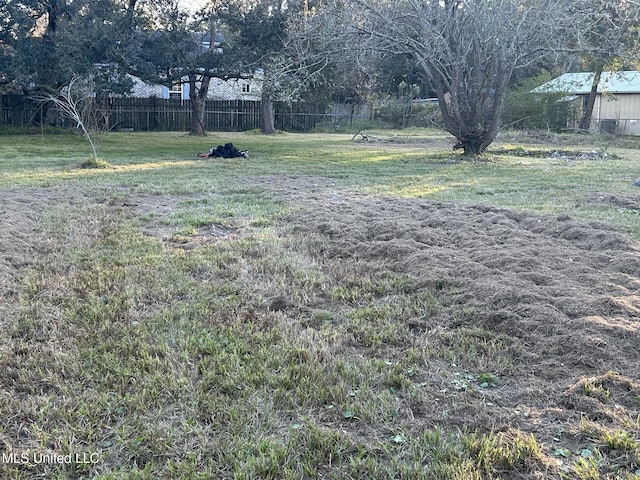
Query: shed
<point>617,105</point>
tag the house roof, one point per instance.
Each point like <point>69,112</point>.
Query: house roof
<point>580,83</point>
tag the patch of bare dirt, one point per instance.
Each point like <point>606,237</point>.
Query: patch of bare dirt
<point>26,214</point>
<point>567,291</point>
<point>566,155</point>
<point>629,202</point>
<point>156,212</point>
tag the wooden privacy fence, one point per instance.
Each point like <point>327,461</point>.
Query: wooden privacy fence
<point>157,114</point>
<point>148,114</point>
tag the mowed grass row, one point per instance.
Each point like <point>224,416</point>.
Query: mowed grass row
<point>161,362</point>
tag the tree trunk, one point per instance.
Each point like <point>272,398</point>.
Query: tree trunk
<point>198,89</point>
<point>474,133</point>
<point>587,114</point>
<point>197,116</point>
<point>267,115</point>
<point>473,146</point>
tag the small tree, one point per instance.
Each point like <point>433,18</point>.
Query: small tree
<point>77,102</point>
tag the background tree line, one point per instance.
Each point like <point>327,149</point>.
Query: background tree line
<point>469,54</point>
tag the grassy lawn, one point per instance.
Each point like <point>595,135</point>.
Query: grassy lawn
<point>328,308</point>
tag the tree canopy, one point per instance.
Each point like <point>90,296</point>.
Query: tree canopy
<point>465,52</point>
<point>46,43</point>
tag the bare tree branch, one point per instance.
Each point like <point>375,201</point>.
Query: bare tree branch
<point>76,101</point>
<point>467,50</point>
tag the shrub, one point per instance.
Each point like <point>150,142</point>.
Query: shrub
<point>526,110</point>
<point>95,163</point>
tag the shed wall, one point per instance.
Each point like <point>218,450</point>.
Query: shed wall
<point>622,108</point>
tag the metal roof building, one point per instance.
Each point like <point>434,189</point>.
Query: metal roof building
<point>580,83</point>
<point>617,105</point>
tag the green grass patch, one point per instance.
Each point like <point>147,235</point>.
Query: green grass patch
<point>95,163</point>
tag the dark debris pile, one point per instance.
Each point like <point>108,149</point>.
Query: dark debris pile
<point>228,150</point>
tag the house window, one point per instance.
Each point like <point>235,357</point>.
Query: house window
<point>175,92</point>
<point>246,88</point>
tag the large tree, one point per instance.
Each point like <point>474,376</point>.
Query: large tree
<point>321,63</point>
<point>261,28</point>
<point>226,40</point>
<point>46,43</point>
<point>301,59</point>
<point>467,50</point>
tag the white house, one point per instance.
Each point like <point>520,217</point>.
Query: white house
<point>219,89</point>
<point>617,105</point>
